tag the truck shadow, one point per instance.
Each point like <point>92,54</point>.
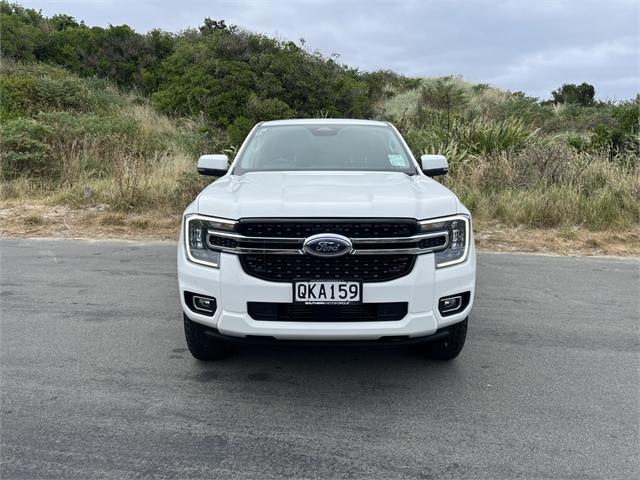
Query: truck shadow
<point>319,370</point>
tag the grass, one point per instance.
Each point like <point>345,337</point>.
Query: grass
<point>84,145</point>
<point>94,145</point>
<point>510,164</point>
<point>547,185</point>
<point>165,181</point>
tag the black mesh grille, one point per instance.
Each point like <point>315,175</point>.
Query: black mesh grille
<point>348,228</point>
<point>216,241</point>
<point>291,312</point>
<point>433,242</point>
<point>366,268</point>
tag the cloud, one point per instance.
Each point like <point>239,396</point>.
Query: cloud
<point>612,64</point>
<point>533,46</point>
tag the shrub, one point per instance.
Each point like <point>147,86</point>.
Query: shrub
<point>262,109</point>
<point>26,149</point>
<point>129,180</point>
<point>549,184</point>
<point>21,32</point>
<point>582,94</point>
<point>188,185</point>
<point>444,95</point>
<point>483,136</point>
<point>27,90</point>
<point>239,129</point>
<point>219,73</point>
<point>123,151</point>
<point>461,139</point>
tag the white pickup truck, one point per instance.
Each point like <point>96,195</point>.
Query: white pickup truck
<point>326,230</point>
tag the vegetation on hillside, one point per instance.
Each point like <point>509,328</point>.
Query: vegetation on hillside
<point>107,115</point>
<point>524,162</point>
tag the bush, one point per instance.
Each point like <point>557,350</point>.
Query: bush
<point>29,89</point>
<point>483,136</point>
<point>227,74</point>
<point>549,184</point>
<point>26,149</point>
<point>262,109</point>
<point>444,95</point>
<point>21,32</point>
<point>479,137</point>
<point>239,129</point>
<point>188,185</point>
<point>121,149</point>
<point>582,94</point>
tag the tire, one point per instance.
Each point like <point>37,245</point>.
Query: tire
<point>449,347</point>
<point>202,346</point>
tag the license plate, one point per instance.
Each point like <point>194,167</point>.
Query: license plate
<point>327,292</point>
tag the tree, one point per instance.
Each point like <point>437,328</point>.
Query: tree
<point>20,31</point>
<point>62,22</point>
<point>582,94</point>
<point>211,26</point>
<point>445,95</point>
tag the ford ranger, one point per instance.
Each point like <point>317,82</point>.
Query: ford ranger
<point>326,230</point>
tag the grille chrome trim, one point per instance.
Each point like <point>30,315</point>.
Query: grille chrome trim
<point>240,237</point>
<point>265,249</point>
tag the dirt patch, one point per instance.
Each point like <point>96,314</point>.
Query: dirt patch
<point>97,222</point>
<point>573,241</point>
<point>100,222</point>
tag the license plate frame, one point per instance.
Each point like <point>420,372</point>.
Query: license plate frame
<point>306,300</point>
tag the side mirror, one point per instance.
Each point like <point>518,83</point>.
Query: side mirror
<point>434,165</point>
<point>213,165</point>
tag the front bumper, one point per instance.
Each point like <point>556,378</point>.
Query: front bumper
<point>385,342</point>
<point>233,288</point>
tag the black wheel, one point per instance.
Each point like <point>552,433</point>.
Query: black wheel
<point>449,347</point>
<point>201,345</point>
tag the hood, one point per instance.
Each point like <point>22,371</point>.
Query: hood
<point>326,194</point>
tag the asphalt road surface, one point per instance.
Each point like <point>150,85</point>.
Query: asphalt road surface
<point>97,381</point>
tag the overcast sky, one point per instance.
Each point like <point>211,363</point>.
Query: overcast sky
<point>528,45</point>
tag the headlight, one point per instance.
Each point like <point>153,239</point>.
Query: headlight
<point>195,234</point>
<point>459,234</point>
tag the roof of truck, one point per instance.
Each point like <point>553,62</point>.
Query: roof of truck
<point>324,121</point>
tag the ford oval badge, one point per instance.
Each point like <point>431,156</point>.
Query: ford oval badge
<point>327,245</point>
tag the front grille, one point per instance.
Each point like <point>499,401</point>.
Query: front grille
<point>292,312</point>
<point>349,228</point>
<point>218,241</point>
<point>433,242</point>
<point>366,268</point>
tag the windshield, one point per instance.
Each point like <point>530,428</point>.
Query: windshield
<point>324,147</point>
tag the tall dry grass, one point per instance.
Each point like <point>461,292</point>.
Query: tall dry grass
<point>549,185</point>
<point>517,162</point>
<point>130,157</point>
<point>80,141</point>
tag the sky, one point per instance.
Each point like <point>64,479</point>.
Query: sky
<point>525,45</point>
